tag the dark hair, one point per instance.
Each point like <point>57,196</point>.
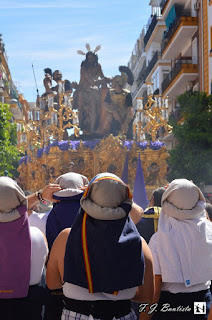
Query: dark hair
<point>111,168</point>
<point>157,195</point>
<point>56,71</point>
<point>208,208</point>
<point>85,62</point>
<point>48,70</point>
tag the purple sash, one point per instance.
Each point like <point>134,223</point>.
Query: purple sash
<point>15,256</point>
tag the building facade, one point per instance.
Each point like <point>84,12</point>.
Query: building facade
<point>8,91</point>
<point>177,53</point>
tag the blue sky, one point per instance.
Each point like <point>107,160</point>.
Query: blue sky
<point>49,33</point>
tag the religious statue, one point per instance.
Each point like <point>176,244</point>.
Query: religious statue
<point>63,86</point>
<point>87,97</point>
<point>47,97</point>
<point>117,111</point>
<point>50,98</point>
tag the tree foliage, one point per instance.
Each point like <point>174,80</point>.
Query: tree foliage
<point>8,139</point>
<point>192,157</point>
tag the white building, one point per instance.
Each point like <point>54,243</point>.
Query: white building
<point>175,52</point>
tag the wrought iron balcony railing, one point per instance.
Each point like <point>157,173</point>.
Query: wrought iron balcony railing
<point>163,4</point>
<point>174,25</point>
<point>150,29</point>
<point>175,71</point>
<point>145,71</point>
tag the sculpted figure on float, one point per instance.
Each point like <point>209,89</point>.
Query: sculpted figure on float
<point>88,94</point>
<point>117,110</point>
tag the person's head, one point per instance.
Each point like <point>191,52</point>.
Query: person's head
<point>157,196</point>
<point>52,170</point>
<point>154,166</point>
<point>71,184</point>
<point>11,195</point>
<point>104,195</point>
<point>111,168</point>
<point>91,60</point>
<point>57,75</point>
<point>43,167</point>
<point>48,72</point>
<point>118,82</point>
<point>47,81</point>
<point>183,200</point>
<point>134,162</point>
<point>71,167</point>
<point>208,208</point>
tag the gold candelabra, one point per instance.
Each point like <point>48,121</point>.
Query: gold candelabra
<point>43,127</point>
<point>152,116</point>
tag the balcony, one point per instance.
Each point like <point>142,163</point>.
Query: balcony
<point>16,108</point>
<point>184,71</point>
<point>163,4</point>
<point>15,105</point>
<point>145,71</point>
<point>139,61</point>
<point>166,5</point>
<point>5,88</point>
<point>150,29</point>
<point>181,31</point>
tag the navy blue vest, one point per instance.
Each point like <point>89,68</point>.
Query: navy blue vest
<point>61,216</point>
<point>114,254</point>
<point>148,224</point>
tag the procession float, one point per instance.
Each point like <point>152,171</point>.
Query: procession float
<point>91,127</point>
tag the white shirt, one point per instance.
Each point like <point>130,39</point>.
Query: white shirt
<point>39,252</point>
<point>39,220</point>
<point>73,291</point>
<point>171,286</point>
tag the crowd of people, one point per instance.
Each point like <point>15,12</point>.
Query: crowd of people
<point>98,255</point>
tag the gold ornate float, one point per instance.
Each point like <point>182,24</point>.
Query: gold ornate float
<point>50,151</point>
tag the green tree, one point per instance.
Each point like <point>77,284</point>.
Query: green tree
<point>9,154</point>
<point>192,157</point>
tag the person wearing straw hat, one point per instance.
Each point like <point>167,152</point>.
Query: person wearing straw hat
<point>182,254</point>
<point>23,254</point>
<point>101,263</point>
